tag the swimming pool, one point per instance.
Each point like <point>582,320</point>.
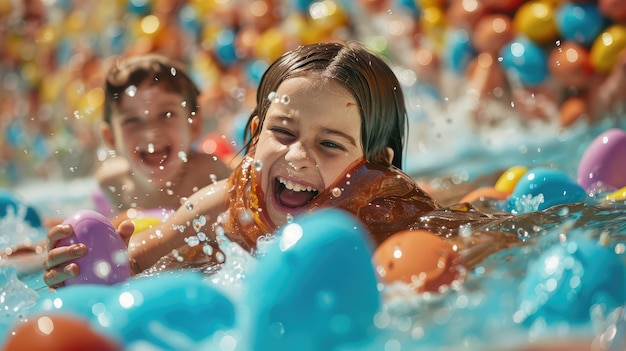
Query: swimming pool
<point>565,284</point>
<point>563,288</point>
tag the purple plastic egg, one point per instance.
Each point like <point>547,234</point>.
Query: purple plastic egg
<point>603,164</point>
<point>106,261</point>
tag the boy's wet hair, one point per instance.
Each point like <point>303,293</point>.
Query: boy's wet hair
<point>155,69</point>
<point>365,75</point>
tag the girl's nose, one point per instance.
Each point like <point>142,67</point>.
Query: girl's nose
<point>298,157</point>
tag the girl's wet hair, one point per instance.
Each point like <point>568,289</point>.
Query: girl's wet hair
<point>154,69</point>
<point>365,75</point>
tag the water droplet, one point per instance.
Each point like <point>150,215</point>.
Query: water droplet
<point>183,156</point>
<point>336,192</point>
<point>183,103</point>
<point>168,115</point>
<point>285,99</point>
<point>271,96</point>
<point>258,165</point>
<point>131,90</point>
<point>289,218</point>
<point>173,71</point>
<point>151,148</point>
<point>192,241</point>
<point>213,178</point>
<point>207,249</point>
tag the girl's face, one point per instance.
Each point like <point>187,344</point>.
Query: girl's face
<point>151,128</point>
<point>311,134</point>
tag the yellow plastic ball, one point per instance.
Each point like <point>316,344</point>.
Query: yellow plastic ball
<point>606,48</point>
<point>508,180</point>
<point>535,19</point>
<point>617,195</point>
<point>6,7</point>
<point>271,45</point>
<point>145,223</point>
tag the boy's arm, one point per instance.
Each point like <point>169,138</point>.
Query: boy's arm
<point>149,246</point>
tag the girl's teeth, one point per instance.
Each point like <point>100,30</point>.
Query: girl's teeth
<point>294,186</point>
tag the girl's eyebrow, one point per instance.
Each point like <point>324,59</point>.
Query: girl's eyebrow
<point>340,134</point>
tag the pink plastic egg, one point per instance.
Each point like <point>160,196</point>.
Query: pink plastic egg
<point>106,261</point>
<point>602,164</point>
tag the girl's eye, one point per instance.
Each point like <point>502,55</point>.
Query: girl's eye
<point>282,132</point>
<point>333,145</point>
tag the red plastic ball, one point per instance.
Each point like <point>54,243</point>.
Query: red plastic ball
<point>57,333</point>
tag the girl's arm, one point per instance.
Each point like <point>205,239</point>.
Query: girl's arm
<point>147,247</point>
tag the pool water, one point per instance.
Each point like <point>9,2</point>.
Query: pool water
<point>565,284</point>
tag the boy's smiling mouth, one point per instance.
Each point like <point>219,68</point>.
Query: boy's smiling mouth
<point>293,195</point>
<point>154,157</point>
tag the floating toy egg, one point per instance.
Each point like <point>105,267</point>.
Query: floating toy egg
<point>106,261</point>
<point>580,23</point>
<point>464,14</point>
<point>55,332</point>
<point>541,188</point>
<point>509,178</point>
<point>569,278</point>
<point>225,47</point>
<point>152,309</point>
<point>607,47</point>
<point>525,61</point>
<point>492,32</point>
<point>613,9</point>
<point>419,258</point>
<point>603,164</point>
<point>502,5</point>
<point>459,51</point>
<point>535,19</point>
<point>572,110</point>
<point>618,195</point>
<point>570,64</point>
<point>10,202</point>
<point>315,286</point>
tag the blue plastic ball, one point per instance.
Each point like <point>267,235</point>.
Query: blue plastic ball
<point>10,202</point>
<point>459,51</point>
<point>525,61</point>
<point>316,286</point>
<point>569,278</point>
<point>553,185</point>
<point>581,23</point>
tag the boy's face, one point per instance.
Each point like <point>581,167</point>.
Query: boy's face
<point>311,134</point>
<point>151,128</point>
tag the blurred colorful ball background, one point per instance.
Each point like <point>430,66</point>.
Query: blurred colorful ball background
<point>55,53</point>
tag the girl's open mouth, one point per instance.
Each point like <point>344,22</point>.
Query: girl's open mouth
<point>293,195</point>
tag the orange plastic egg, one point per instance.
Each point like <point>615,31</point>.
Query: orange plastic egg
<point>484,193</point>
<point>419,258</point>
<point>572,110</point>
<point>535,19</point>
<point>613,9</point>
<point>570,64</point>
<point>492,32</point>
<point>57,333</point>
<point>464,13</point>
<point>607,47</point>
